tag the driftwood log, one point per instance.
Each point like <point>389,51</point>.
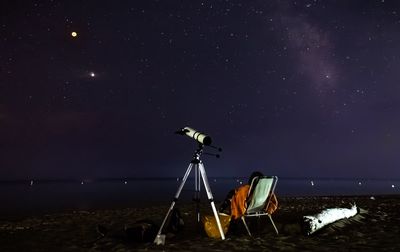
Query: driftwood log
<point>315,222</point>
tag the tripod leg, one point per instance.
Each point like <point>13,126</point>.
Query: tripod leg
<point>210,198</point>
<point>157,239</point>
<point>197,185</point>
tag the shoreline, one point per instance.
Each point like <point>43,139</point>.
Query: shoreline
<point>14,214</point>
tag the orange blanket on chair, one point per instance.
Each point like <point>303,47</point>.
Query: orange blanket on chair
<point>238,202</point>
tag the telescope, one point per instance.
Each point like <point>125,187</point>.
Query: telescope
<point>200,174</point>
<point>196,135</point>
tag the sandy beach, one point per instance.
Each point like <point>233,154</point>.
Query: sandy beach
<point>375,228</point>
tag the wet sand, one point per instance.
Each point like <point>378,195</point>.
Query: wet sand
<point>375,228</point>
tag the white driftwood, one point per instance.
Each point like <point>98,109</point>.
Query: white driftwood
<point>315,222</point>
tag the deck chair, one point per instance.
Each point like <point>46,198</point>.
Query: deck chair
<point>258,199</point>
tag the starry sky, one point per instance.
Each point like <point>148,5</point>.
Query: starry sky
<point>291,88</point>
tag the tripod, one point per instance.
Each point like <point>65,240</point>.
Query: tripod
<point>200,173</point>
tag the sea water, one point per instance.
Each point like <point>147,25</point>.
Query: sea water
<point>48,196</point>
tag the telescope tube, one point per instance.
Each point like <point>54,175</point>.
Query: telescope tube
<point>197,135</point>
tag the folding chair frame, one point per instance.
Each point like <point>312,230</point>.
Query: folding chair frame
<point>261,213</point>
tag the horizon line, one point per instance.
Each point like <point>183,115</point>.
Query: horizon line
<point>100,179</point>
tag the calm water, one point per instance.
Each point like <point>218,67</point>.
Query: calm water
<point>32,197</point>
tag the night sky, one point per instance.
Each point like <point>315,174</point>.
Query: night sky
<point>291,88</point>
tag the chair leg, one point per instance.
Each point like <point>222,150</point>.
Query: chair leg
<point>245,225</point>
<point>273,224</point>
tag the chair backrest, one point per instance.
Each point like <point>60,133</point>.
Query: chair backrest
<point>260,191</point>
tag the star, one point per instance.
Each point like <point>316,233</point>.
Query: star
<point>74,34</point>
<point>92,74</point>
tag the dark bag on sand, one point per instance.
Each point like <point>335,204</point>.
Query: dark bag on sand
<point>142,231</point>
<point>146,230</point>
<point>176,222</point>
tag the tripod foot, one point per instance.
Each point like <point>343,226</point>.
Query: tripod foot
<point>160,239</point>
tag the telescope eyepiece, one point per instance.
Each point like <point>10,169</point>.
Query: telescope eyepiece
<point>181,131</point>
